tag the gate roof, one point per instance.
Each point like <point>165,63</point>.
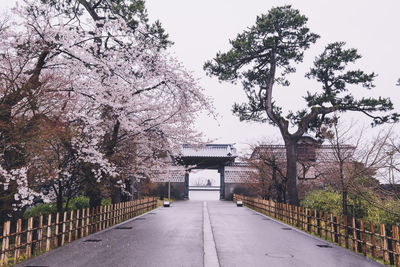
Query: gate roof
<point>209,156</point>
<point>209,150</point>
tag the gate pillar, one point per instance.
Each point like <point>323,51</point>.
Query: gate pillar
<point>186,191</point>
<point>221,171</point>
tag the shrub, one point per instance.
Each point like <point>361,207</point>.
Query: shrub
<point>80,202</point>
<point>331,201</point>
<point>44,209</point>
<point>106,202</point>
<point>324,200</point>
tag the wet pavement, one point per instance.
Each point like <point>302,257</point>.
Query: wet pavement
<point>201,233</point>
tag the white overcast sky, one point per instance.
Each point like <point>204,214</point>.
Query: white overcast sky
<point>200,29</point>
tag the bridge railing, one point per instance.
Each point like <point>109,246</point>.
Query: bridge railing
<point>367,238</point>
<point>26,238</point>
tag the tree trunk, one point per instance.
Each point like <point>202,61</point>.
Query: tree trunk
<point>291,171</point>
<point>344,189</point>
<point>94,199</point>
<point>94,192</point>
<point>344,202</point>
<point>112,143</point>
<point>60,199</point>
<point>278,186</point>
<point>116,195</point>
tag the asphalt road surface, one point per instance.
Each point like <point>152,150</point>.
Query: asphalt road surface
<point>201,233</point>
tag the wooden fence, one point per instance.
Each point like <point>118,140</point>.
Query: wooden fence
<point>367,238</point>
<point>26,238</point>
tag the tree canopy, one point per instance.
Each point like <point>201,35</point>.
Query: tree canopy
<point>92,86</point>
<point>267,52</point>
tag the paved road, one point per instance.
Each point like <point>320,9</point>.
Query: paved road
<point>197,233</point>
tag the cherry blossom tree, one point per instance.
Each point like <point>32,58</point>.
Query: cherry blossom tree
<point>104,72</point>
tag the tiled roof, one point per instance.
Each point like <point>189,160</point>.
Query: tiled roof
<point>318,152</point>
<point>209,150</point>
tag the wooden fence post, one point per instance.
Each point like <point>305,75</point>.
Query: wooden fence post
<point>363,239</point>
<point>122,212</point>
<point>108,215</point>
<point>301,218</point>
<point>332,228</point>
<point>77,224</point>
<point>83,218</point>
<point>107,222</point>
<point>384,244</point>
<point>373,241</point>
<point>307,217</point>
<point>71,226</point>
<point>40,233</point>
<point>64,228</point>
<point>280,209</point>
<point>114,210</point>
<point>396,247</point>
<point>346,231</point>
<point>315,222</point>
<point>87,221</point>
<point>136,207</point>
<point>390,248</point>
<point>48,236</point>
<point>284,212</point>
<point>319,223</point>
<point>101,218</point>
<point>105,218</point>
<point>116,213</point>
<point>29,238</point>
<point>56,237</point>
<point>5,244</point>
<point>131,209</point>
<point>17,240</point>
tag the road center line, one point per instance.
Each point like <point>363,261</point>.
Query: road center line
<point>210,251</point>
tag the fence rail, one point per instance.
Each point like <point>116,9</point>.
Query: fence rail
<point>367,238</point>
<point>30,237</point>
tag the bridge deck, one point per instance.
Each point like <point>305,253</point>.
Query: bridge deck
<point>174,237</point>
